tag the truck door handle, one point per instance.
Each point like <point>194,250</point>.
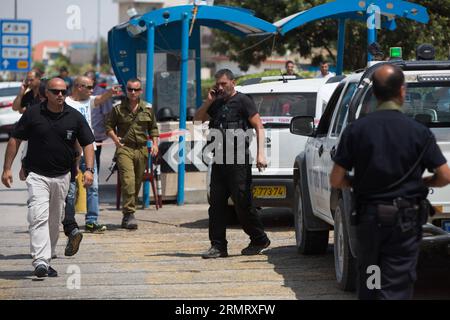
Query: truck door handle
<point>320,150</point>
<point>333,152</point>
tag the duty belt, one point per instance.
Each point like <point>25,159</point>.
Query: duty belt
<point>403,213</point>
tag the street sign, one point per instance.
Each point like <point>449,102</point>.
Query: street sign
<point>15,45</point>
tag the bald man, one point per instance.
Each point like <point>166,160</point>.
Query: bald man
<point>382,148</point>
<point>83,101</point>
<point>51,129</point>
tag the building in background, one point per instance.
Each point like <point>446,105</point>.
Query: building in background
<point>48,51</point>
<point>77,52</point>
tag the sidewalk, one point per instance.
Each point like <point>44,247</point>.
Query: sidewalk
<point>161,260</point>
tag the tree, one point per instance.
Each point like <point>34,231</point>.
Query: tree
<point>104,56</point>
<point>323,34</point>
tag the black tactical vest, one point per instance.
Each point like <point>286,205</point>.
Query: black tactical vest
<point>228,118</point>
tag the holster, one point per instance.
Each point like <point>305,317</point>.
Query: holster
<point>387,215</point>
<point>403,213</point>
<point>426,210</point>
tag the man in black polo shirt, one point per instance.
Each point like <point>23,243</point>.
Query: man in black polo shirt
<point>382,147</point>
<point>29,92</point>
<point>51,129</point>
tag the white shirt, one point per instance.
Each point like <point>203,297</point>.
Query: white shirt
<point>83,106</point>
<point>329,75</point>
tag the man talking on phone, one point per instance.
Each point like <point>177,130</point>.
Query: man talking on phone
<point>29,92</point>
<point>230,111</point>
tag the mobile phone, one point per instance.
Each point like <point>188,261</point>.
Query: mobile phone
<point>214,91</point>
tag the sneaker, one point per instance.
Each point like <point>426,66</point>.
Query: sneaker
<point>129,221</point>
<point>94,227</point>
<point>215,252</point>
<point>52,273</point>
<point>73,242</point>
<point>255,248</point>
<point>41,271</point>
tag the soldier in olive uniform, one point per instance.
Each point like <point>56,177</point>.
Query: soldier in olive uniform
<point>133,120</point>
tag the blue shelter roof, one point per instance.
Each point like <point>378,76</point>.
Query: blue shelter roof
<point>354,9</point>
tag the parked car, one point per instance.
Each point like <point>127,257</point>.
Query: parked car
<point>318,207</point>
<point>8,117</point>
<point>277,102</point>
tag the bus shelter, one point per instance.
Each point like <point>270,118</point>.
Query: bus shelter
<point>176,30</point>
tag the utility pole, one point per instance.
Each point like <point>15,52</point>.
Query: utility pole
<point>98,36</point>
<point>15,9</point>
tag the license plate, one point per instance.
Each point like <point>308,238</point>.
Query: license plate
<point>272,192</point>
<point>446,225</point>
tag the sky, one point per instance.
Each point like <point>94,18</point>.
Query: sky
<point>70,20</point>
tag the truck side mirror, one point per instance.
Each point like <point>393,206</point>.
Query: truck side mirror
<point>302,125</point>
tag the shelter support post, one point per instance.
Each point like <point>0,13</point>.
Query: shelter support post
<point>198,66</point>
<point>149,98</point>
<point>372,24</point>
<point>183,106</point>
<point>341,47</point>
<point>150,57</point>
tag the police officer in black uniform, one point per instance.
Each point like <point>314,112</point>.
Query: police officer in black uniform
<point>231,113</point>
<point>382,147</point>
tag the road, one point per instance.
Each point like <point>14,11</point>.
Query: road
<point>161,260</point>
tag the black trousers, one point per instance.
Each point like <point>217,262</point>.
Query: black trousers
<point>235,181</point>
<point>393,251</point>
<point>97,154</point>
<point>69,222</point>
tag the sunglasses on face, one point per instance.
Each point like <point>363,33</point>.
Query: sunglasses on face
<point>87,87</point>
<point>133,89</point>
<point>56,92</point>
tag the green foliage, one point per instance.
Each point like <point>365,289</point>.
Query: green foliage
<point>323,34</point>
<point>104,54</point>
<point>268,73</point>
<point>39,65</point>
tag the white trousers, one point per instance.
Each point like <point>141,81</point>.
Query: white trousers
<point>46,201</point>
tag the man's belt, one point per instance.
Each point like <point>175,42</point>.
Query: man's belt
<point>135,145</point>
<point>402,212</point>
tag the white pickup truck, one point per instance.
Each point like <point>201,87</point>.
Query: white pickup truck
<point>318,207</point>
<point>277,102</point>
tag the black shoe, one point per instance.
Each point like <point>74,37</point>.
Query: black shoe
<point>41,271</point>
<point>52,273</point>
<point>73,243</point>
<point>255,248</point>
<point>215,252</point>
<point>129,221</point>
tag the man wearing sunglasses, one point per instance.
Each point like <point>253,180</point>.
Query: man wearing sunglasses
<point>83,101</point>
<point>134,120</point>
<point>52,130</point>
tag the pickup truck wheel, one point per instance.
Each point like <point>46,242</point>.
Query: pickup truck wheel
<point>344,262</point>
<point>307,242</point>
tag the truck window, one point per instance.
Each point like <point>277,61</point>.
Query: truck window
<point>325,120</point>
<point>277,109</point>
<point>341,114</point>
<point>428,103</point>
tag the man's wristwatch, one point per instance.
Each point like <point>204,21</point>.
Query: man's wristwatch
<point>90,169</point>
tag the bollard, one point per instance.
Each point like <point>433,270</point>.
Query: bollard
<point>118,191</point>
<point>80,196</point>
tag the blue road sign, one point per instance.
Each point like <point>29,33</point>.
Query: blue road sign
<point>15,45</point>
